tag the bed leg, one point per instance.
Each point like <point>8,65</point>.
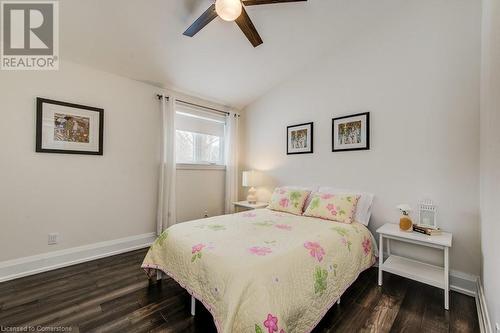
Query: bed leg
<point>338,301</point>
<point>193,306</point>
<point>159,275</point>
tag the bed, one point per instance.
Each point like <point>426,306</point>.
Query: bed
<point>262,270</point>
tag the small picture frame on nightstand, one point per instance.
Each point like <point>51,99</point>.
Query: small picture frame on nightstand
<point>427,214</point>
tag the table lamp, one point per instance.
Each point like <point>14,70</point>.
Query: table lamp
<point>249,179</point>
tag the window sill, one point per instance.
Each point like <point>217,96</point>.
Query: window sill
<point>188,166</point>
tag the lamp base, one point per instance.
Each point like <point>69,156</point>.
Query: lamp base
<point>251,197</point>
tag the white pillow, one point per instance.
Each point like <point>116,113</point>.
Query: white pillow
<point>302,188</point>
<point>364,208</point>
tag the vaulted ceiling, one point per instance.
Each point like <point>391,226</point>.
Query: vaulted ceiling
<point>142,39</point>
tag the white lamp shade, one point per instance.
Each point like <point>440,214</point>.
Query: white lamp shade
<point>249,179</point>
<point>228,10</point>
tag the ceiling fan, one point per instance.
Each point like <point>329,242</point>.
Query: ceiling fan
<point>232,10</point>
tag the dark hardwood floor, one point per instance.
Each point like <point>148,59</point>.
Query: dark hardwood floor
<point>114,295</point>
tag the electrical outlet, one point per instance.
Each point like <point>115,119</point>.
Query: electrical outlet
<point>205,214</point>
<point>53,238</point>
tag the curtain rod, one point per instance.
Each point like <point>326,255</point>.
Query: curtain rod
<point>193,104</point>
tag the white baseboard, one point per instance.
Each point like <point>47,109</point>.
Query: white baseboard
<point>482,309</point>
<point>16,268</point>
<point>463,283</point>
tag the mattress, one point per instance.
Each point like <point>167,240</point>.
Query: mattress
<point>261,270</point>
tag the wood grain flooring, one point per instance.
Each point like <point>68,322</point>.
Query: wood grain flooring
<point>114,295</point>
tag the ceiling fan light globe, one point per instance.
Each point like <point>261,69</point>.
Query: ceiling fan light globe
<point>228,10</point>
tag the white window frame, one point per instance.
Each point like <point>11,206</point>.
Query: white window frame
<point>197,144</point>
<point>197,153</point>
<point>197,166</point>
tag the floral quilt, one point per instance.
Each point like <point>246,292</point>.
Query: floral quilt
<point>263,271</point>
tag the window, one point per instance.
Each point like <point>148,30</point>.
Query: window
<point>199,136</point>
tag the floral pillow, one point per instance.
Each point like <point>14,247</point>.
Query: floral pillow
<point>288,200</point>
<point>335,207</point>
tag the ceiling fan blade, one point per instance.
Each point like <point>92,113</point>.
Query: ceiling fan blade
<point>201,21</point>
<point>266,2</point>
<point>246,25</point>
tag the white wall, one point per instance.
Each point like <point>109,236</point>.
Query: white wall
<point>490,156</point>
<point>199,191</point>
<point>418,75</point>
<point>86,199</point>
<point>205,187</point>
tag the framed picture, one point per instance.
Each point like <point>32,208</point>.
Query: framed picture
<point>299,139</point>
<point>67,128</point>
<point>427,212</point>
<point>351,132</point>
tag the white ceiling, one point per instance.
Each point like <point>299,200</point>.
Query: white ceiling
<point>142,39</point>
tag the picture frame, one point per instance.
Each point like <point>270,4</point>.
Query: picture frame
<point>67,128</point>
<point>351,132</point>
<point>427,214</point>
<point>300,139</point>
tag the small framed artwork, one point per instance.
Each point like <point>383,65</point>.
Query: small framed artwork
<point>351,132</point>
<point>427,214</point>
<point>300,139</point>
<point>67,128</point>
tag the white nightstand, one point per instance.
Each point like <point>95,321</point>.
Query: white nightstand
<point>244,205</point>
<point>430,274</point>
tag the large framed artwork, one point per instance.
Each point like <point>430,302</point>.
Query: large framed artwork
<point>68,128</point>
<point>300,139</point>
<point>351,132</point>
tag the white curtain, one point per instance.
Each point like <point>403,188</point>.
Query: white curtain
<point>231,153</point>
<point>166,215</point>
